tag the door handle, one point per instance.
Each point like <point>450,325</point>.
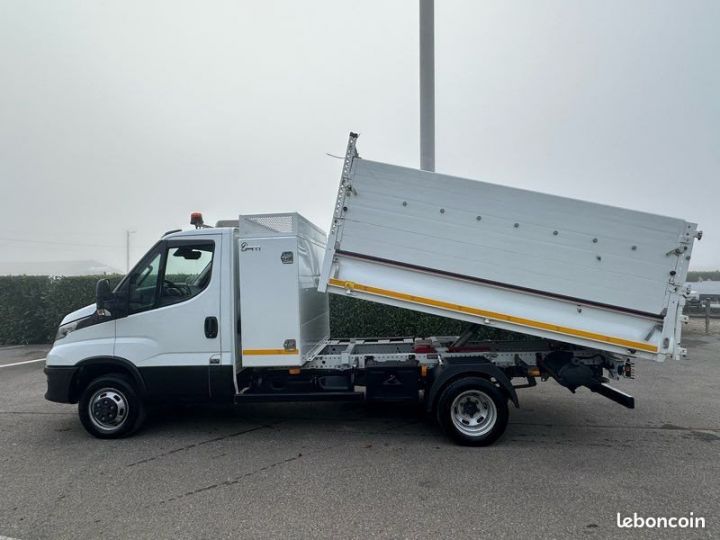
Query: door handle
<point>211,327</point>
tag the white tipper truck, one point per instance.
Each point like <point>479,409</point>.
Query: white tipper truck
<point>239,312</point>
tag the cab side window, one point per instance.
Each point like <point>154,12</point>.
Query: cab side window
<point>188,271</point>
<point>142,287</point>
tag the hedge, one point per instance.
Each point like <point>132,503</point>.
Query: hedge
<point>31,308</point>
<point>700,275</point>
<point>350,317</point>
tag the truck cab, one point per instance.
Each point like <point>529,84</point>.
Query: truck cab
<point>198,308</point>
<point>166,328</point>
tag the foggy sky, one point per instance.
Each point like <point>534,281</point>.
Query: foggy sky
<point>130,115</point>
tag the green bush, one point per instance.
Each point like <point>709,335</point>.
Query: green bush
<point>22,312</point>
<point>31,308</point>
<point>350,317</point>
<point>697,276</point>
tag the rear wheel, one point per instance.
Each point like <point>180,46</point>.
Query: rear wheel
<point>473,411</point>
<point>110,407</point>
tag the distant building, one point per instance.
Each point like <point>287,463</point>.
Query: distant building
<point>705,289</point>
<point>56,268</point>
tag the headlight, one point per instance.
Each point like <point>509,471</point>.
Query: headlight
<point>65,329</point>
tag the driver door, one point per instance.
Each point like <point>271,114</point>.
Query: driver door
<point>172,330</point>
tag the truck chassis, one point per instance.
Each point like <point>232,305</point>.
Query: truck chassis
<point>408,369</point>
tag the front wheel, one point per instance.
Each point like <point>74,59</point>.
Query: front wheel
<point>110,408</point>
<point>473,411</point>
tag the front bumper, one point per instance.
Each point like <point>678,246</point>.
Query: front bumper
<point>60,384</point>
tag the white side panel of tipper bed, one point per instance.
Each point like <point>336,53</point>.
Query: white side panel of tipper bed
<point>554,267</point>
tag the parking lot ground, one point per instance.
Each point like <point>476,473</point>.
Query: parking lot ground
<point>564,469</point>
<point>22,354</point>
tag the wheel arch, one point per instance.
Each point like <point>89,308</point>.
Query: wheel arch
<point>93,367</point>
<point>450,373</point>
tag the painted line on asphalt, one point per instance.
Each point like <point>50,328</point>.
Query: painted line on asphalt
<point>20,364</point>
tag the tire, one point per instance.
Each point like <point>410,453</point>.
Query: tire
<point>473,411</point>
<point>110,407</point>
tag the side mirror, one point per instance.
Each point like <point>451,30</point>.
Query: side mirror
<point>103,293</point>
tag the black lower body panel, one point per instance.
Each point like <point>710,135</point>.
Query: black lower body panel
<point>189,383</point>
<point>59,383</point>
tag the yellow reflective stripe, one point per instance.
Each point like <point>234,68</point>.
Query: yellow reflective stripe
<point>266,352</point>
<point>639,345</point>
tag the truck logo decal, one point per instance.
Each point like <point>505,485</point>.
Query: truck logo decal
<point>244,247</point>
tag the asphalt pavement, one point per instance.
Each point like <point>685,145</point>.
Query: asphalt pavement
<point>564,469</point>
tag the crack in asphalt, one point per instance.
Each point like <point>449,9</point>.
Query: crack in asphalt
<point>239,478</point>
<point>234,481</point>
<point>201,443</point>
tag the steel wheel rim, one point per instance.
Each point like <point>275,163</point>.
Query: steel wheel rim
<point>473,413</point>
<point>108,409</point>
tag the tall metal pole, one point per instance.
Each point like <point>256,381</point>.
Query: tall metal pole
<point>128,232</point>
<point>427,85</point>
